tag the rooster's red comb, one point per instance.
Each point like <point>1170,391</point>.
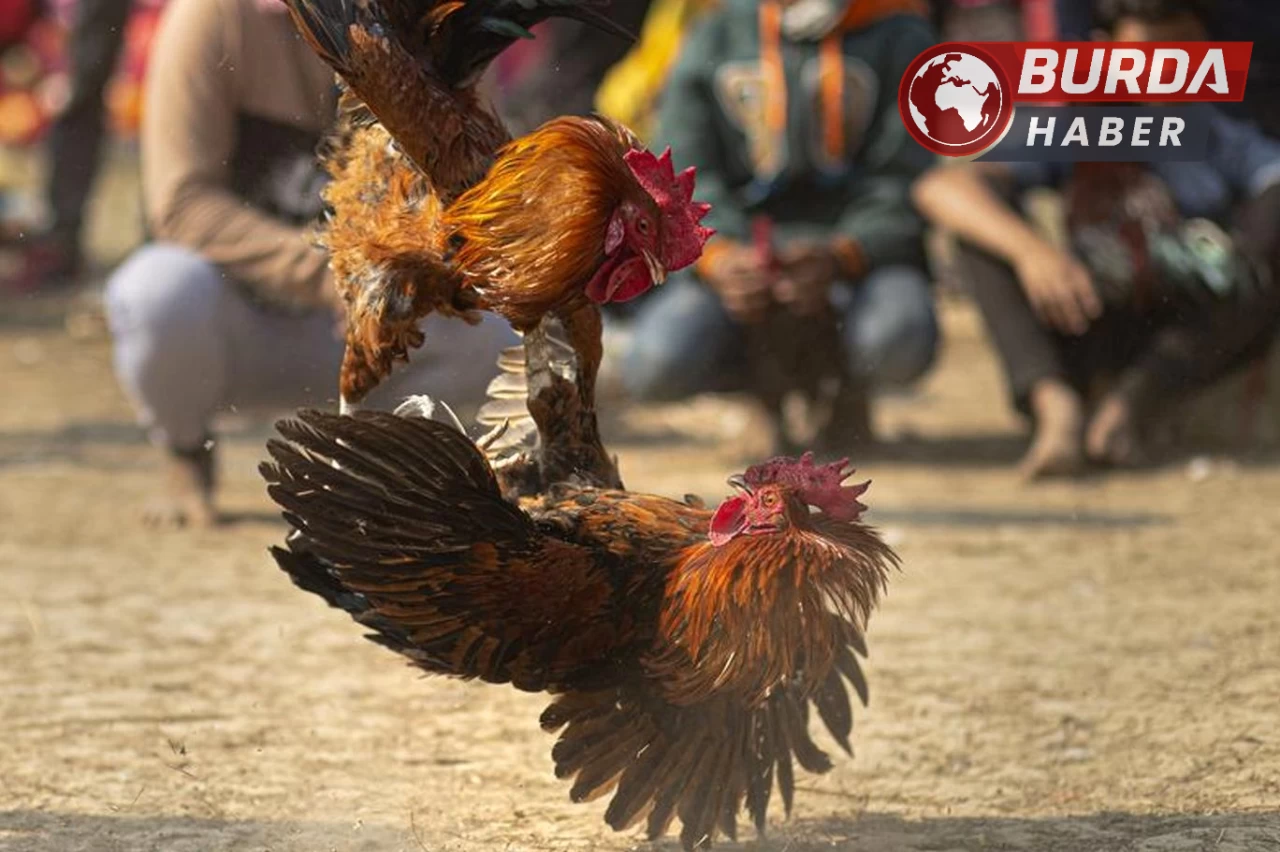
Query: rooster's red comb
<point>684,237</point>
<point>821,486</point>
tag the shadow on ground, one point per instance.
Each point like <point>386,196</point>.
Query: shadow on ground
<point>73,442</point>
<point>1105,832</point>
<point>32,313</point>
<point>944,516</point>
<point>38,831</point>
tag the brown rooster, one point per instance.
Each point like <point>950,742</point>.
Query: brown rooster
<point>434,209</point>
<point>683,648</point>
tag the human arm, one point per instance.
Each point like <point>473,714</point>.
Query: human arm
<point>962,200</point>
<point>1248,158</point>
<point>188,139</point>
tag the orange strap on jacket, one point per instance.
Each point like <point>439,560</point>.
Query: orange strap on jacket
<point>774,83</point>
<point>831,82</point>
<point>831,75</point>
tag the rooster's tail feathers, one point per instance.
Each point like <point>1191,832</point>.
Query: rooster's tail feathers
<point>398,521</point>
<point>326,26</point>
<point>377,501</point>
<point>471,33</point>
<point>702,763</point>
<point>455,40</point>
<point>368,490</point>
<point>312,574</point>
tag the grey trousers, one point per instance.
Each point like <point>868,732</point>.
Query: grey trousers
<point>685,342</point>
<point>188,344</point>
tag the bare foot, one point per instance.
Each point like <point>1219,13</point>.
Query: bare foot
<point>1059,417</point>
<point>1113,437</point>
<point>187,500</point>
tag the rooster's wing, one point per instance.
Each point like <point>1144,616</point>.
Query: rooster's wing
<point>415,63</point>
<point>399,522</point>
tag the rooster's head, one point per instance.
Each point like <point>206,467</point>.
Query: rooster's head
<point>654,229</point>
<point>779,494</point>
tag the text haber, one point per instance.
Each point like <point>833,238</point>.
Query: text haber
<point>1109,133</point>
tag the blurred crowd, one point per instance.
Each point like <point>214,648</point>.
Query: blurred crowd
<point>818,291</point>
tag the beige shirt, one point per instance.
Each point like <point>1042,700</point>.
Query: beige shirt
<point>221,71</point>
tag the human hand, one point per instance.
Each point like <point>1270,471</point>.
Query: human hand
<point>1059,288</point>
<point>741,279</point>
<point>807,269</point>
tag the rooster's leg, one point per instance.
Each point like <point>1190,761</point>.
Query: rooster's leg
<point>585,329</point>
<point>552,399</point>
<point>569,439</point>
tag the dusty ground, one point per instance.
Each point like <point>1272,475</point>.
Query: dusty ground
<point>1071,667</point>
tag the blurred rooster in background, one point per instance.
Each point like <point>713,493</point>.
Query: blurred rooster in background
<point>434,209</point>
<point>683,647</point>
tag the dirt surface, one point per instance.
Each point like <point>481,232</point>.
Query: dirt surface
<point>1068,667</point>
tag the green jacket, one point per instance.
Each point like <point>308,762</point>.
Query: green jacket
<point>713,116</point>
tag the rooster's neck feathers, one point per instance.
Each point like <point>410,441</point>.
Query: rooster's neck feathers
<point>764,610</point>
<point>533,231</point>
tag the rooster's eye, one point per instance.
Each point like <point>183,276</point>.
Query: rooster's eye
<point>642,226</point>
<point>769,500</point>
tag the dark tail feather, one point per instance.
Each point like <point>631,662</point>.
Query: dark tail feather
<point>313,574</point>
<point>760,770</point>
<point>588,13</point>
<point>832,701</point>
<point>700,763</point>
<point>477,31</point>
<point>310,574</point>
<point>326,27</point>
<point>460,39</point>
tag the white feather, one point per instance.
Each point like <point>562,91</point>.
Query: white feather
<point>426,408</point>
<point>419,405</point>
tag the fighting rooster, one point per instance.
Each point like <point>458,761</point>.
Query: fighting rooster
<point>683,648</point>
<point>434,208</point>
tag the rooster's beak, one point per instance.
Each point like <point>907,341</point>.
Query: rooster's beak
<point>739,482</point>
<point>657,272</point>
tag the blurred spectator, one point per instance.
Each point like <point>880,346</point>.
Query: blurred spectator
<point>16,18</point>
<point>75,144</point>
<point>1257,21</point>
<point>978,20</point>
<point>37,68</point>
<point>789,111</point>
<point>1064,321</point>
<point>16,21</point>
<point>231,306</point>
<point>631,89</point>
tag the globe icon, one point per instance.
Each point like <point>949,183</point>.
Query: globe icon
<point>956,100</point>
